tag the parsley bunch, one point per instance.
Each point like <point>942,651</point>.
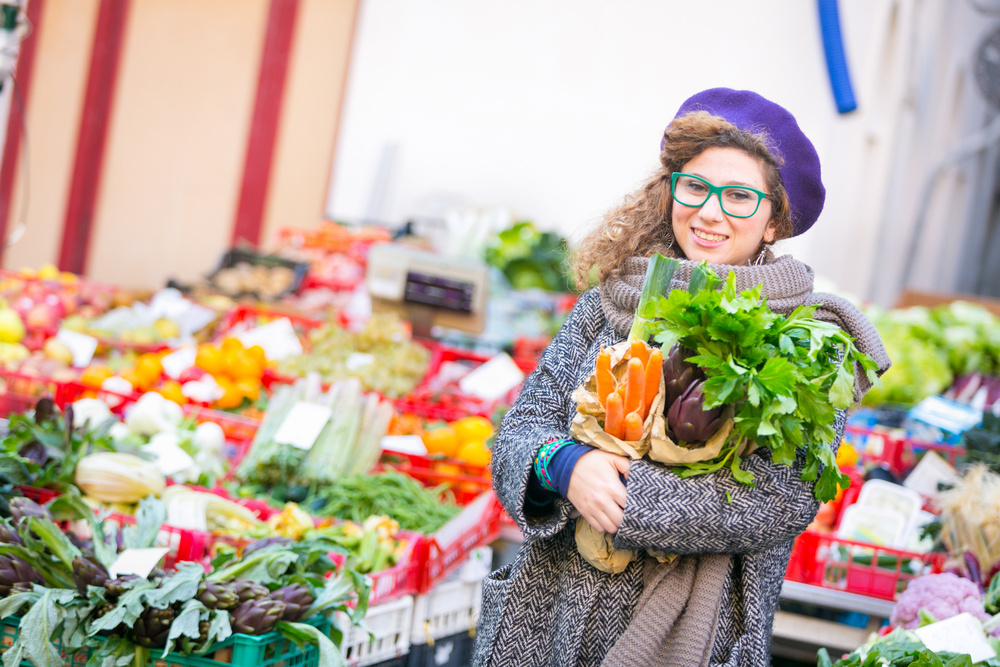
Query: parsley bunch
<point>784,377</point>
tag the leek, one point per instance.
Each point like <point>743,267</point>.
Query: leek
<point>655,285</point>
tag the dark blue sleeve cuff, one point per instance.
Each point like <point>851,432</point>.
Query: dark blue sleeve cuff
<point>561,466</point>
<point>538,500</point>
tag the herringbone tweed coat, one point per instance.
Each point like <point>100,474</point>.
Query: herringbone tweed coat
<point>550,607</point>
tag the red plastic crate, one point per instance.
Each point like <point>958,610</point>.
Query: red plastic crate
<point>895,450</point>
<point>445,550</point>
<point>244,315</point>
<point>184,544</point>
<point>19,391</point>
<point>451,404</point>
<point>401,579</point>
<point>827,561</point>
<point>39,495</point>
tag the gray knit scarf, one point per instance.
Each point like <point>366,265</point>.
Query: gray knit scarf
<point>675,620</point>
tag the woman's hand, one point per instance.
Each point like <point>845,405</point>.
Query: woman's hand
<point>596,491</point>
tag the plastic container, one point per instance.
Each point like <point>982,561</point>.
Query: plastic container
<point>476,525</point>
<point>453,651</point>
<point>450,608</point>
<point>19,392</point>
<point>892,448</point>
<point>184,544</point>
<point>389,623</point>
<point>401,579</point>
<point>828,561</point>
<point>236,256</point>
<point>239,650</point>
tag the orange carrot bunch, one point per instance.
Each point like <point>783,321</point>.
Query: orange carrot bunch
<point>627,401</point>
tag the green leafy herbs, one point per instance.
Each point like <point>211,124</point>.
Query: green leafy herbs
<point>899,648</point>
<point>784,377</point>
<point>529,258</point>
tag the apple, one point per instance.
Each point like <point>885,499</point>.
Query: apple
<point>42,316</point>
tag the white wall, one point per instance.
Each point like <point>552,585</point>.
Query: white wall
<point>555,108</point>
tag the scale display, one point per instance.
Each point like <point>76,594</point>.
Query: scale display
<point>436,291</point>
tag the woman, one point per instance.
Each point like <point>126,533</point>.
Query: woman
<point>736,175</point>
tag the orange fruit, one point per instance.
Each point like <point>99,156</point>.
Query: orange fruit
<point>94,375</point>
<point>239,365</point>
<point>475,453</point>
<point>256,353</point>
<point>472,429</point>
<point>133,379</point>
<point>442,441</point>
<point>231,398</point>
<point>171,390</point>
<point>231,344</point>
<point>248,388</point>
<point>148,369</point>
<point>209,358</point>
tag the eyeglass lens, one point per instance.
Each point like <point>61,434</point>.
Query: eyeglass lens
<point>735,200</point>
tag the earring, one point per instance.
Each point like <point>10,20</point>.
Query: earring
<point>760,257</point>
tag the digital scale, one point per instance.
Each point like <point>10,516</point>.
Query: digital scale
<point>428,289</point>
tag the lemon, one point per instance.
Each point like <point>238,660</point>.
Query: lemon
<point>472,429</point>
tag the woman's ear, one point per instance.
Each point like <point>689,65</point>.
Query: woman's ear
<point>769,233</point>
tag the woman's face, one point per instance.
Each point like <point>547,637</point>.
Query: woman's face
<point>707,233</point>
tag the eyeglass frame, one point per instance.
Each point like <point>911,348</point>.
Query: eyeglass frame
<point>717,191</point>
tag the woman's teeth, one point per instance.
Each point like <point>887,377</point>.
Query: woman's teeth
<point>709,237</point>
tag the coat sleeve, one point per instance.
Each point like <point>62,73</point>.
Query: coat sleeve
<point>714,513</point>
<point>541,414</point>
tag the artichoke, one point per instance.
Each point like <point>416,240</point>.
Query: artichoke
<point>116,587</point>
<point>9,536</point>
<point>13,570</point>
<point>678,374</point>
<point>45,410</point>
<point>21,508</point>
<point>87,572</point>
<point>689,420</point>
<point>22,587</point>
<point>35,452</point>
<point>218,595</point>
<point>247,590</point>
<point>189,645</point>
<point>153,627</point>
<point>297,599</point>
<point>256,617</point>
<point>264,542</point>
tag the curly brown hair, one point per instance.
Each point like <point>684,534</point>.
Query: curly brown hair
<point>642,226</point>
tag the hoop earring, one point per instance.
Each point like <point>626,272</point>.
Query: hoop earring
<point>760,257</point>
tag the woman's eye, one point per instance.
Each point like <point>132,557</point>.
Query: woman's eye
<point>739,195</point>
<point>697,187</point>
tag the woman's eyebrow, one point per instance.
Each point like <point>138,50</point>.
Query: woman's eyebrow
<point>746,185</point>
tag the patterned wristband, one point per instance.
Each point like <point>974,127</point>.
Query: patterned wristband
<point>545,455</point>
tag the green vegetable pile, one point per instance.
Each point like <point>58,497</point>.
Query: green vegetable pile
<point>982,444</point>
<point>901,648</point>
<point>529,258</point>
<point>390,493</point>
<point>929,347</point>
<point>68,602</point>
<point>784,376</point>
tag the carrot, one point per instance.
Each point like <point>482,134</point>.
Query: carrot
<point>640,352</point>
<point>605,378</point>
<point>654,374</point>
<point>615,416</point>
<point>635,386</point>
<point>633,427</point>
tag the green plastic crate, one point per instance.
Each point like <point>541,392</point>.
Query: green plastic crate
<point>270,650</point>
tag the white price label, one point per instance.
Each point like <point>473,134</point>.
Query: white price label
<point>303,425</point>
<point>931,471</point>
<point>81,345</point>
<point>404,444</point>
<point>958,634</point>
<point>493,379</point>
<point>139,562</point>
<point>179,361</point>
<point>170,458</point>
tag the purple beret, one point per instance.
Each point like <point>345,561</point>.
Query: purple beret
<point>800,172</point>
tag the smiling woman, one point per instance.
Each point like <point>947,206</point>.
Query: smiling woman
<point>723,192</point>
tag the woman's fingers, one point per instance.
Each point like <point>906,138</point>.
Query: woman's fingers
<point>596,490</point>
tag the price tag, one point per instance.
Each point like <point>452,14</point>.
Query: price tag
<point>493,379</point>
<point>278,338</point>
<point>958,634</point>
<point>139,562</point>
<point>81,345</point>
<point>404,444</point>
<point>925,476</point>
<point>170,458</point>
<point>358,360</point>
<point>303,425</point>
<point>177,362</point>
<point>946,414</point>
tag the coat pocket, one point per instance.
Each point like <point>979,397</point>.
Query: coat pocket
<point>495,587</point>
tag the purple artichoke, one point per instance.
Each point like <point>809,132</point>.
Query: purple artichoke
<point>9,536</point>
<point>88,572</point>
<point>218,595</point>
<point>247,590</point>
<point>678,374</point>
<point>21,508</point>
<point>297,599</point>
<point>117,586</point>
<point>256,617</point>
<point>14,571</point>
<point>689,420</point>
<point>264,542</point>
<point>35,452</point>
<point>153,627</point>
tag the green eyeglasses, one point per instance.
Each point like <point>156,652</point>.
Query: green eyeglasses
<point>739,201</point>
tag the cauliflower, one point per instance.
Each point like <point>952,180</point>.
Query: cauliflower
<point>940,595</point>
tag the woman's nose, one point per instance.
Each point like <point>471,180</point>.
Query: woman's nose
<point>711,210</point>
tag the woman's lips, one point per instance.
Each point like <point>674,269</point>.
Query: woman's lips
<point>707,239</point>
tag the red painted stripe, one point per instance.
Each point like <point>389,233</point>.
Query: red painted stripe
<point>94,120</point>
<point>15,117</point>
<point>264,126</point>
